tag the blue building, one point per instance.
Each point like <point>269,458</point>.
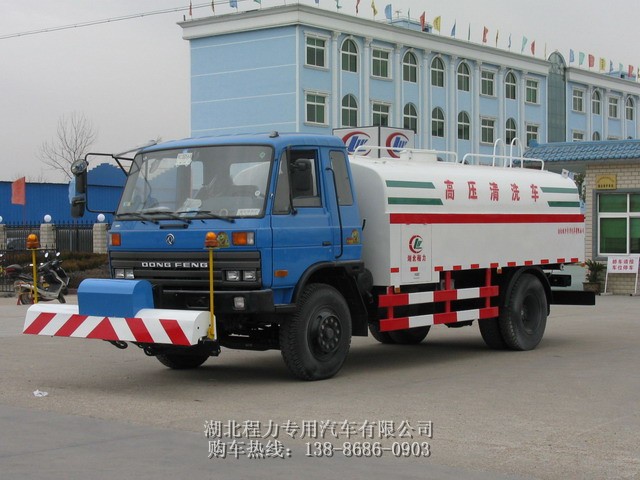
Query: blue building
<point>303,69</point>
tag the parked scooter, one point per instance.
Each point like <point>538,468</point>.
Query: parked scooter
<point>53,281</point>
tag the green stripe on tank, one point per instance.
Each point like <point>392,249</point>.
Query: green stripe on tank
<point>564,204</point>
<point>414,201</point>
<point>403,184</point>
<point>559,190</point>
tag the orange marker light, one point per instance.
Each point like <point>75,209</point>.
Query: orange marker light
<point>211,240</point>
<point>239,238</point>
<point>280,273</point>
<point>116,240</point>
<point>32,241</point>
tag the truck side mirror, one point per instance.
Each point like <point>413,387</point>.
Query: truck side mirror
<point>79,201</point>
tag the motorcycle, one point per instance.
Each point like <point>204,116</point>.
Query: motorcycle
<point>53,281</point>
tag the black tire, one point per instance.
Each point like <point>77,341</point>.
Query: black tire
<point>183,361</point>
<point>25,299</point>
<point>523,317</point>
<point>315,340</point>
<point>411,336</point>
<point>382,337</point>
<point>61,298</point>
<point>491,334</point>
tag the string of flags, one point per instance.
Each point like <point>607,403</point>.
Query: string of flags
<point>584,60</point>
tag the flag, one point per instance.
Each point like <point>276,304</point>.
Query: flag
<point>572,57</point>
<point>373,7</point>
<point>603,64</point>
<point>213,6</point>
<point>592,61</point>
<point>388,12</point>
<point>453,29</point>
<point>260,2</point>
<point>234,3</point>
<point>509,41</point>
<point>436,23</point>
<point>357,5</point>
<point>533,47</point>
<point>469,34</point>
<point>485,31</point>
<point>190,9</point>
<point>581,58</point>
<point>18,192</point>
<point>423,21</point>
<point>338,6</point>
<point>497,35</point>
<point>620,68</point>
<point>630,74</point>
<point>524,43</point>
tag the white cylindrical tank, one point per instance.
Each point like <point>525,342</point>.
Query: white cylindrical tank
<point>424,216</point>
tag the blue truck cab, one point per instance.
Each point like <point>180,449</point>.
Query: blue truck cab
<point>288,229</point>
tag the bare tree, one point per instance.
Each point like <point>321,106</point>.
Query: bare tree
<point>74,136</point>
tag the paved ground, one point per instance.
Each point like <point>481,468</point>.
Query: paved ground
<point>567,410</point>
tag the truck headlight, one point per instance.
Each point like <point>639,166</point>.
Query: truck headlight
<point>249,275</point>
<point>233,275</point>
<point>128,273</point>
<point>118,273</point>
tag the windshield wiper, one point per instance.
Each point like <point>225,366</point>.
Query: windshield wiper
<point>139,216</point>
<point>168,214</point>
<point>207,214</point>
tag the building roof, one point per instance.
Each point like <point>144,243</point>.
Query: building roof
<point>585,151</point>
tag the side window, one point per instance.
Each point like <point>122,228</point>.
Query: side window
<point>339,166</point>
<point>302,170</point>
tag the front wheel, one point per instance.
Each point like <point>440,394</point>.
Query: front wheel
<point>315,341</point>
<point>523,317</point>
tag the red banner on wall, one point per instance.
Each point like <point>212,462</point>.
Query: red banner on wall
<point>18,192</point>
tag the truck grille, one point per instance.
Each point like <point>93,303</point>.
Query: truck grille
<point>189,270</point>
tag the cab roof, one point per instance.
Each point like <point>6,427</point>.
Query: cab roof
<point>275,139</point>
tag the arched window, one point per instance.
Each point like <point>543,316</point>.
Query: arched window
<point>510,86</point>
<point>511,130</point>
<point>349,56</point>
<point>349,111</point>
<point>464,77</point>
<point>596,136</point>
<point>596,103</point>
<point>437,122</point>
<point>630,109</point>
<point>410,68</point>
<point>437,72</point>
<point>464,126</point>
<point>410,118</point>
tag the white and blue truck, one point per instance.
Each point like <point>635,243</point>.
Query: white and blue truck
<point>311,246</point>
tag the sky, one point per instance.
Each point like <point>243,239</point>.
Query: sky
<point>130,78</point>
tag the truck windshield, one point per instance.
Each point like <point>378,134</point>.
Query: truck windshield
<point>226,181</point>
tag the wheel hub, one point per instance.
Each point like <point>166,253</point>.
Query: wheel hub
<point>328,334</point>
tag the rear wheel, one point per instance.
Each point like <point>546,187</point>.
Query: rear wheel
<point>25,299</point>
<point>315,341</point>
<point>490,331</point>
<point>382,337</point>
<point>183,360</point>
<point>412,336</point>
<point>523,317</point>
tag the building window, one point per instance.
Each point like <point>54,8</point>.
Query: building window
<point>316,52</point>
<point>464,126</point>
<point>437,72</point>
<point>510,86</point>
<point>380,63</point>
<point>532,133</point>
<point>410,68</point>
<point>629,109</point>
<point>349,111</point>
<point>487,86</point>
<point>349,56</point>
<point>596,136</point>
<point>410,119</point>
<point>316,108</point>
<point>487,130</point>
<point>578,100</point>
<point>437,123</point>
<point>618,223</point>
<point>511,130</point>
<point>464,78</point>
<point>381,114</point>
<point>596,103</point>
<point>577,136</point>
<point>613,107</point>
<point>532,91</point>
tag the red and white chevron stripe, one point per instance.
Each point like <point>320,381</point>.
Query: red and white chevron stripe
<point>172,327</point>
